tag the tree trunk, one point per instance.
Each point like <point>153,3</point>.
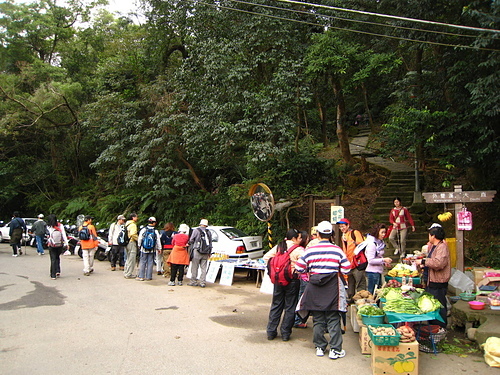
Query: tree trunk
<point>322,116</point>
<point>341,130</point>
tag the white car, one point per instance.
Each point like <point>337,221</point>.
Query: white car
<point>235,243</point>
<point>4,230</point>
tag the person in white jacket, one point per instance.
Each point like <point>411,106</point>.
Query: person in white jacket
<point>149,243</point>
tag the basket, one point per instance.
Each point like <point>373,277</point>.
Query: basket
<point>428,337</point>
<point>372,319</point>
<point>384,340</point>
<point>467,296</point>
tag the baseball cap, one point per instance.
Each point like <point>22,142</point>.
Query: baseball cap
<point>89,217</point>
<point>204,222</point>
<point>121,217</point>
<point>40,216</point>
<point>152,219</point>
<point>435,225</point>
<point>344,221</point>
<point>324,227</point>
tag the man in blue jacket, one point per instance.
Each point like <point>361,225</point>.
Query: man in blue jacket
<point>17,228</point>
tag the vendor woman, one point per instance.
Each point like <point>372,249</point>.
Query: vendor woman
<point>437,269</point>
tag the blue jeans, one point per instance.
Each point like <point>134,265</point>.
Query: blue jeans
<point>146,265</point>
<point>39,244</point>
<point>373,278</point>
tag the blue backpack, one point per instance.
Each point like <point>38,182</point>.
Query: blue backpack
<point>149,239</point>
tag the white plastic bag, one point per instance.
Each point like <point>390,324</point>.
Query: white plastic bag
<point>460,281</point>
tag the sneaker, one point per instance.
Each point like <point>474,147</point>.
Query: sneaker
<point>122,268</point>
<point>139,279</point>
<point>129,277</point>
<point>336,355</point>
<point>39,253</point>
<point>179,283</point>
<point>203,285</point>
<point>271,336</point>
<point>320,352</point>
<point>86,274</point>
<point>113,268</point>
<point>193,283</point>
<point>53,278</point>
<point>171,283</point>
<point>300,325</point>
<point>15,255</point>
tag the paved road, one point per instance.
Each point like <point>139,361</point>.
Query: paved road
<point>105,324</point>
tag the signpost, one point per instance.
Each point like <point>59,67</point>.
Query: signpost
<point>458,197</point>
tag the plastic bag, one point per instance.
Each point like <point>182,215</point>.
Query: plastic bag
<point>492,351</point>
<point>461,281</point>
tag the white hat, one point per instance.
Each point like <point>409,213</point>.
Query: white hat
<point>184,228</point>
<point>435,225</point>
<point>204,222</point>
<point>121,217</point>
<point>325,227</point>
<point>40,216</point>
<point>152,219</point>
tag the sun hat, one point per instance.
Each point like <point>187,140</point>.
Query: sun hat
<point>40,216</point>
<point>121,217</point>
<point>204,222</point>
<point>184,228</point>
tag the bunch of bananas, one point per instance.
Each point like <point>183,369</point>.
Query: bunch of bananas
<point>400,273</point>
<point>445,216</point>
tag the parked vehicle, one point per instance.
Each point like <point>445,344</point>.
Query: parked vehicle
<point>235,243</point>
<point>4,230</point>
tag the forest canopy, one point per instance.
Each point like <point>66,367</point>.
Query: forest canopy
<point>178,115</point>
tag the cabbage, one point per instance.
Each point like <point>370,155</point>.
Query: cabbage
<point>427,303</point>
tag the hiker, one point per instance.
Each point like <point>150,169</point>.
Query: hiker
<point>17,227</point>
<point>166,237</point>
<point>356,278</point>
<point>39,229</point>
<point>200,247</point>
<point>131,248</point>
<point>178,258</point>
<point>149,244</point>
<point>285,292</point>
<point>117,250</point>
<point>325,296</point>
<point>89,244</point>
<point>375,256</point>
<point>303,279</point>
<point>57,242</point>
<point>400,219</point>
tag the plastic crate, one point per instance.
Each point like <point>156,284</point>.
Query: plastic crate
<point>384,340</point>
<point>372,319</point>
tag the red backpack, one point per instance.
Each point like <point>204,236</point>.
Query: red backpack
<point>280,268</point>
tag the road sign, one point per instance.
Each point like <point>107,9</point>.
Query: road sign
<point>460,197</point>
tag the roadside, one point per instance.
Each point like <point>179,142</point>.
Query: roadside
<point>105,324</point>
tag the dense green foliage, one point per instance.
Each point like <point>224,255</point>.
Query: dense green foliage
<point>180,115</point>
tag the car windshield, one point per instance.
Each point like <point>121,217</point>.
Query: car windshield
<point>233,233</point>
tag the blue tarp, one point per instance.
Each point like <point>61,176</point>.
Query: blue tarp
<point>393,317</point>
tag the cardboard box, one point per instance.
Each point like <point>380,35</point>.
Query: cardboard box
<point>353,312</point>
<point>395,360</point>
<point>365,342</point>
<point>478,273</point>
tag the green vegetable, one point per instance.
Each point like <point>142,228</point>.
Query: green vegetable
<point>427,303</point>
<point>370,310</point>
<point>402,305</point>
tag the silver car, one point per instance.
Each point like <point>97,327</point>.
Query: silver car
<point>4,230</point>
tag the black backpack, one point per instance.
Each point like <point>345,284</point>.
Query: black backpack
<point>123,238</point>
<point>84,233</point>
<point>202,245</point>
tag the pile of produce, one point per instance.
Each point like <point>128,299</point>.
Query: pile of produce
<point>408,300</point>
<point>445,216</point>
<point>407,334</point>
<point>370,310</point>
<point>382,330</point>
<point>494,298</point>
<point>393,284</point>
<point>401,270</point>
<point>363,297</point>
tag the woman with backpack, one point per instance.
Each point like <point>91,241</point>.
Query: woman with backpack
<point>286,284</point>
<point>57,242</point>
<point>374,252</point>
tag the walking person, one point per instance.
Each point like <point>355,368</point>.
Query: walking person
<point>325,295</point>
<point>285,297</point>
<point>131,249</point>
<point>17,227</point>
<point>166,237</point>
<point>117,250</point>
<point>57,243</point>
<point>149,244</point>
<point>400,219</point>
<point>89,246</point>
<point>39,229</point>
<point>374,252</point>
<point>303,280</point>
<point>178,258</point>
<point>200,247</point>
<point>356,278</point>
